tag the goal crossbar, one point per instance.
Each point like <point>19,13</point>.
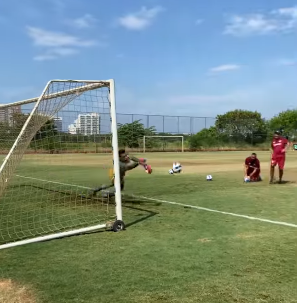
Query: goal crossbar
<point>90,86</point>
<point>144,140</point>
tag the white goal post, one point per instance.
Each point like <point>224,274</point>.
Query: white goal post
<point>181,137</point>
<point>46,195</point>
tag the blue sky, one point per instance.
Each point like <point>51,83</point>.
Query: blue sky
<point>201,58</point>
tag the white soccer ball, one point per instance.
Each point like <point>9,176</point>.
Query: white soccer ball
<point>209,177</point>
<point>247,179</point>
<point>170,171</point>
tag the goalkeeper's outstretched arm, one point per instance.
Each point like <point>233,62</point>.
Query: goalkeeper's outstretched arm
<point>134,162</point>
<point>129,162</point>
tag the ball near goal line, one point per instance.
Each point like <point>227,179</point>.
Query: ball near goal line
<point>47,170</point>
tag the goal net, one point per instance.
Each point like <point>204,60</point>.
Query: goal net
<point>50,165</point>
<point>163,143</point>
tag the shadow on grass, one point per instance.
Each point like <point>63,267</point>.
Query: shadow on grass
<point>126,200</point>
<point>284,182</point>
<point>288,182</point>
<point>150,214</point>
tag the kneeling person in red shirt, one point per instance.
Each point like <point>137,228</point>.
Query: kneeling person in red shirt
<point>278,157</point>
<point>252,168</point>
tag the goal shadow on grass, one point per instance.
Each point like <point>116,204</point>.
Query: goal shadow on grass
<point>144,214</point>
<point>139,202</point>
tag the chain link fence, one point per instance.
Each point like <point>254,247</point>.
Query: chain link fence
<point>169,124</point>
<point>162,123</point>
<point>170,128</point>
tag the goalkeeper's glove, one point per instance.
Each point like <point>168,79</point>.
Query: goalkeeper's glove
<point>141,161</point>
<point>148,169</point>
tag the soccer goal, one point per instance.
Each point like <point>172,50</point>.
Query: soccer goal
<point>50,163</point>
<point>163,143</point>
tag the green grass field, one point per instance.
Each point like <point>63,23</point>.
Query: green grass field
<point>169,253</point>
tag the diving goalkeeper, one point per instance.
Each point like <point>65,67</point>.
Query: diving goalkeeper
<point>126,163</point>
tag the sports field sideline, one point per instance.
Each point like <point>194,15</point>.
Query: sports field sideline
<point>200,252</point>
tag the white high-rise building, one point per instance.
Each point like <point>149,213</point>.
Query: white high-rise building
<point>72,129</point>
<point>86,124</point>
<point>6,113</point>
<point>59,124</point>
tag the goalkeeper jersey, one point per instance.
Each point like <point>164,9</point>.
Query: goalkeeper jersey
<point>124,166</point>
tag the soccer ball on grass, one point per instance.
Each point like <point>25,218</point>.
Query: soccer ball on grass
<point>209,178</point>
<point>247,179</point>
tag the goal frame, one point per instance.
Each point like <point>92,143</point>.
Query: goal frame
<point>90,85</point>
<point>144,140</point>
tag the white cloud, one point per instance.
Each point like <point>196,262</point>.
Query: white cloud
<point>224,68</point>
<point>250,98</point>
<point>42,37</point>
<point>199,21</point>
<point>141,19</point>
<point>287,62</point>
<point>55,53</point>
<point>85,21</point>
<point>290,12</point>
<point>268,98</point>
<point>283,20</point>
<point>56,44</point>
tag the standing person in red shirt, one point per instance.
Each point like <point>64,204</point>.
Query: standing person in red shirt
<point>252,168</point>
<point>278,157</point>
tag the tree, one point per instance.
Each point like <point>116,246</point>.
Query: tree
<point>242,125</point>
<point>131,134</point>
<point>45,138</point>
<point>18,120</point>
<point>285,121</point>
<point>49,129</point>
<point>6,136</point>
<point>206,137</point>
